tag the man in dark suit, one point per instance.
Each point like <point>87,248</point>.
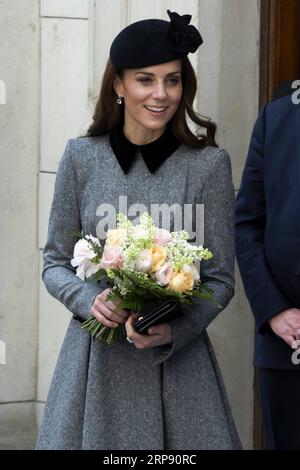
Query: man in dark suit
<point>268,254</point>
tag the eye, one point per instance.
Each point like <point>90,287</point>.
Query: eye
<point>144,80</point>
<point>173,81</point>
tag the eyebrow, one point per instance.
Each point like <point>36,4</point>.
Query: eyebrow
<point>152,74</point>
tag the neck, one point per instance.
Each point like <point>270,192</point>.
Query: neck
<point>143,136</point>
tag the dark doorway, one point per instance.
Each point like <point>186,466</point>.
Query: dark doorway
<point>279,45</point>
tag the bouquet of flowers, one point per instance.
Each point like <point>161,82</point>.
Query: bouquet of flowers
<point>142,263</point>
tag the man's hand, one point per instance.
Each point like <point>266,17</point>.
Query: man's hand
<point>157,335</point>
<point>286,325</point>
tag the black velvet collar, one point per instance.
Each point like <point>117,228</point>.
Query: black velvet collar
<point>154,154</point>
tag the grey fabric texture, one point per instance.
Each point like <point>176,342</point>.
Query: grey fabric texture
<point>119,397</point>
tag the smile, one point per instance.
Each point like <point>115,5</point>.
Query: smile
<point>156,109</point>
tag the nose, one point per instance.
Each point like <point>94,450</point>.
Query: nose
<point>159,91</point>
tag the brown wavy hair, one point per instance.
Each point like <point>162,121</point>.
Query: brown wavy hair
<point>108,112</point>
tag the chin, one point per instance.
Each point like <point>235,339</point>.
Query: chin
<point>155,126</point>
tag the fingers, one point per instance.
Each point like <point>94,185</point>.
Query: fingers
<point>292,318</point>
<point>290,340</point>
<point>103,319</point>
<point>121,314</point>
<point>160,334</point>
<point>136,338</point>
<point>156,330</point>
<point>296,342</point>
<point>112,304</point>
<point>105,311</point>
<point>109,314</point>
<point>285,327</point>
<point>130,331</point>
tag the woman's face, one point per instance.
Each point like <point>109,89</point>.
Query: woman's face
<point>151,95</point>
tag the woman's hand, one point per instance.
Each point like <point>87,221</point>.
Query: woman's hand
<point>157,335</point>
<point>105,311</point>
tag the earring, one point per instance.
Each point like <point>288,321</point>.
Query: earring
<point>119,100</point>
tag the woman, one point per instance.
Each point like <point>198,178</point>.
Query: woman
<point>163,389</point>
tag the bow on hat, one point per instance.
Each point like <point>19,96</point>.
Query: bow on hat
<point>183,37</point>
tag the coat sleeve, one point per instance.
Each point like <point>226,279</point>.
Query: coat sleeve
<point>264,295</point>
<point>217,273</point>
<point>58,275</point>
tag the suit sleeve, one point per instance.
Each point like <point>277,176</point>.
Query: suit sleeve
<point>263,293</point>
<point>58,275</point>
<point>217,273</point>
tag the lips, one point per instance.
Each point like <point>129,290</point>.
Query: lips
<point>156,109</point>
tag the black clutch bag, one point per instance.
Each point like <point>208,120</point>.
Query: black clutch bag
<point>161,314</point>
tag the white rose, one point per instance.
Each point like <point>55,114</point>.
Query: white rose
<point>82,256</point>
<point>93,239</point>
<point>144,261</point>
<point>91,269</point>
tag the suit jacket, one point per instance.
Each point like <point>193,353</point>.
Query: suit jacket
<point>268,226</point>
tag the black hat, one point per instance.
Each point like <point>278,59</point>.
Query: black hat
<point>153,41</point>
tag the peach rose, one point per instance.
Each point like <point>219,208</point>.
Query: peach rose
<point>116,236</point>
<point>181,281</point>
<point>158,257</point>
<point>193,270</point>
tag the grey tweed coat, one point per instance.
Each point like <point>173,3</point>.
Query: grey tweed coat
<point>168,397</point>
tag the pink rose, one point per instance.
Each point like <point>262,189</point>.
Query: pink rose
<point>162,236</point>
<point>112,257</point>
<point>164,274</point>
